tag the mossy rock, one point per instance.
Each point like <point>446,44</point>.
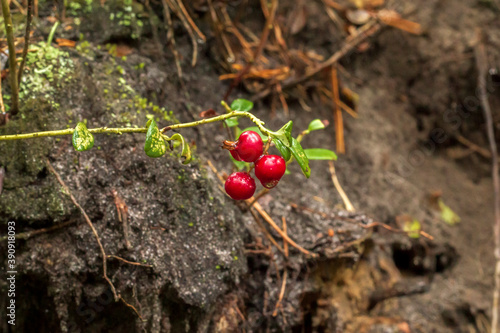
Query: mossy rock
<point>178,222</point>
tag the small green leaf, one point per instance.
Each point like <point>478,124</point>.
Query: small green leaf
<point>301,157</point>
<point>240,165</point>
<point>185,150</point>
<point>320,154</point>
<point>447,214</point>
<point>315,125</point>
<point>284,150</point>
<point>285,134</point>
<point>241,105</point>
<point>412,228</point>
<point>155,145</point>
<point>231,122</point>
<point>82,138</point>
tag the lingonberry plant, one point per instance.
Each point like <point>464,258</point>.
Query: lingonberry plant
<point>269,169</point>
<point>248,148</point>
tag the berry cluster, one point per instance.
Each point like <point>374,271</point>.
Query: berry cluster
<point>268,168</point>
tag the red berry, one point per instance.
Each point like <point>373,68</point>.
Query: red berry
<point>269,169</point>
<point>240,186</point>
<point>235,155</point>
<point>249,146</point>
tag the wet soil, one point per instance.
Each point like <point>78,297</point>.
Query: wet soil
<point>416,95</point>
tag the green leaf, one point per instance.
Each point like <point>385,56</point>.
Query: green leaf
<point>412,228</point>
<point>241,105</point>
<point>155,145</point>
<point>185,150</point>
<point>447,214</point>
<point>240,165</point>
<point>301,157</point>
<point>320,154</point>
<point>231,122</point>
<point>284,150</point>
<point>285,134</point>
<point>82,138</point>
<point>315,125</point>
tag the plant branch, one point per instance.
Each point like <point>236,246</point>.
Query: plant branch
<point>29,18</point>
<point>230,114</point>
<point>119,131</point>
<point>70,131</point>
<point>9,31</point>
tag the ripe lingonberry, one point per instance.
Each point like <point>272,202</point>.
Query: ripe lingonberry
<point>248,147</point>
<point>235,155</point>
<point>240,186</point>
<point>269,169</point>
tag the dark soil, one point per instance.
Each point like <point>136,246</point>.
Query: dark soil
<point>415,97</point>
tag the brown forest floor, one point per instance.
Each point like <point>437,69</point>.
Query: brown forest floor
<point>408,86</point>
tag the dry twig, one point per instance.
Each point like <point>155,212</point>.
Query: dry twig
<point>94,231</point>
<point>385,226</point>
<point>29,234</point>
<point>347,203</point>
<point>171,38</point>
<point>337,112</point>
<point>269,220</point>
<point>282,293</point>
<point>482,67</point>
<point>285,243</point>
<point>364,32</point>
<point>265,231</point>
<point>129,262</point>
<point>258,50</point>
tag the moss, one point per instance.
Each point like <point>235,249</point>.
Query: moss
<point>25,165</point>
<point>48,71</point>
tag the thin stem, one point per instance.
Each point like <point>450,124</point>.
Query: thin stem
<point>119,131</point>
<point>9,31</point>
<point>70,131</point>
<point>29,18</point>
<point>257,121</point>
